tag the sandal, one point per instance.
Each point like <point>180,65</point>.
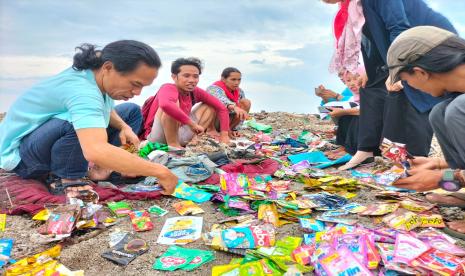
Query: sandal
<point>59,188</point>
<point>349,166</point>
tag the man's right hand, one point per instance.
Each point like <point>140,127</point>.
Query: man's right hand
<point>241,113</point>
<point>168,182</point>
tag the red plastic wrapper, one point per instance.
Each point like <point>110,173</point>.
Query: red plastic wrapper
<point>440,262</point>
<point>62,220</point>
<point>141,220</point>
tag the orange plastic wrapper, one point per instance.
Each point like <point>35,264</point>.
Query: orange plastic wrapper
<point>187,207</point>
<point>432,220</point>
<point>40,264</point>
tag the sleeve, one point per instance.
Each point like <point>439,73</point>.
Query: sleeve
<point>86,110</point>
<point>394,17</point>
<point>221,110</point>
<point>168,98</point>
<point>218,93</point>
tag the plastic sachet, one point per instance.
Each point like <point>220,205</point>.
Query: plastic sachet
<point>187,192</point>
<point>187,207</point>
<point>124,252</point>
<point>157,210</point>
<point>62,220</point>
<point>177,257</point>
<point>180,230</point>
<point>249,237</point>
<point>141,220</point>
<point>120,208</point>
<point>234,184</point>
<point>343,262</point>
<point>6,246</point>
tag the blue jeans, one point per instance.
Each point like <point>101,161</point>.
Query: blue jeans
<point>54,146</point>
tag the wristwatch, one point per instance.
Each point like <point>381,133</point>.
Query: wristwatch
<point>450,182</point>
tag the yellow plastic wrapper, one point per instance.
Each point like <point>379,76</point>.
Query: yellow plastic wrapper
<point>187,207</point>
<point>379,209</point>
<point>42,215</point>
<point>229,269</point>
<point>432,220</point>
<point>43,261</point>
<point>268,213</point>
<point>402,220</point>
<point>415,206</point>
<point>2,222</point>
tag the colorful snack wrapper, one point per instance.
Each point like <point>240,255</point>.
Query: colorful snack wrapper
<point>180,230</point>
<point>120,208</point>
<point>386,251</point>
<point>395,152</point>
<point>402,219</point>
<point>311,225</point>
<point>269,214</point>
<point>407,248</point>
<point>379,209</point>
<point>416,206</point>
<point>440,262</point>
<point>141,220</point>
<point>2,222</point>
<point>225,270</point>
<point>6,245</point>
<point>157,210</point>
<point>234,184</point>
<point>442,244</point>
<point>356,243</point>
<point>35,264</point>
<point>177,257</point>
<point>124,252</point>
<point>302,254</point>
<point>62,220</point>
<point>354,208</point>
<point>187,207</point>
<point>432,220</point>
<point>249,237</point>
<point>185,191</point>
<point>343,262</point>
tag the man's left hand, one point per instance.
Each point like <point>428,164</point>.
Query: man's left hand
<point>336,112</point>
<point>127,136</point>
<point>420,180</point>
<point>393,87</point>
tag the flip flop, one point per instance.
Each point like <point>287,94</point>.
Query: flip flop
<point>460,196</point>
<point>60,187</point>
<point>454,233</point>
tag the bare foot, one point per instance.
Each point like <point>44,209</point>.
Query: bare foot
<point>97,174</point>
<point>214,134</point>
<point>445,199</point>
<point>73,191</point>
<point>458,225</point>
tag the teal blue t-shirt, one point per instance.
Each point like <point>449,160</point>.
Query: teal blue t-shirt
<point>71,95</point>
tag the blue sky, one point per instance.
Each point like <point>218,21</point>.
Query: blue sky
<point>281,47</point>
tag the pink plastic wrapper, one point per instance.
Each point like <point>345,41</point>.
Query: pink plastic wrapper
<point>440,262</point>
<point>234,184</point>
<point>407,248</point>
<point>356,243</point>
<point>343,262</point>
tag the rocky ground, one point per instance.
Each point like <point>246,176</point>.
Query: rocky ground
<point>82,252</point>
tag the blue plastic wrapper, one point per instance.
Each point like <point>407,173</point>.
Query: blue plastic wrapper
<point>185,191</point>
<point>6,245</point>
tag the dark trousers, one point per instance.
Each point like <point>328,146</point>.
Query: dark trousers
<point>391,115</point>
<point>448,121</point>
<point>347,133</point>
<point>54,146</point>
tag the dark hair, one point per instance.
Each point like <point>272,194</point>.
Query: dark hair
<point>176,65</point>
<point>442,58</point>
<point>227,71</point>
<point>124,54</point>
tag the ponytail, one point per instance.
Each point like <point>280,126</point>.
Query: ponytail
<point>87,57</point>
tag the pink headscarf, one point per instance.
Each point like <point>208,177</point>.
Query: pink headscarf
<point>348,44</point>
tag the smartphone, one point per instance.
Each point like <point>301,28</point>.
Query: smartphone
<point>323,109</point>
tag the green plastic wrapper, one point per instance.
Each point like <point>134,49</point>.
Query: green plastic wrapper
<point>177,257</point>
<point>120,208</point>
<point>258,126</point>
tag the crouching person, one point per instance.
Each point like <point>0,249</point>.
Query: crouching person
<point>228,92</point>
<point>181,110</point>
<point>58,126</point>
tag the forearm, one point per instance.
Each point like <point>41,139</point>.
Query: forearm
<point>353,111</point>
<point>117,159</point>
<point>116,121</point>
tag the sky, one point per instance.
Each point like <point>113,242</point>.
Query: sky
<point>282,48</point>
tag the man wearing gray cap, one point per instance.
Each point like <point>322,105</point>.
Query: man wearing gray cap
<point>433,60</point>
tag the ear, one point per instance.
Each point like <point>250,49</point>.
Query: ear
<point>174,77</point>
<point>419,72</point>
<point>108,66</point>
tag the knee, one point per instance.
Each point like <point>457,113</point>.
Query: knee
<point>454,116</point>
<point>245,104</point>
<point>134,110</point>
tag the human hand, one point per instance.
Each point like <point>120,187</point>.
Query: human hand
<point>127,136</point>
<point>327,94</point>
<point>424,163</point>
<point>197,129</point>
<point>336,112</point>
<point>168,182</point>
<point>241,113</point>
<point>393,87</point>
<point>420,180</point>
<point>224,137</point>
<point>363,80</point>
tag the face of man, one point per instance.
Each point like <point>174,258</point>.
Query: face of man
<point>187,78</point>
<point>424,81</point>
<point>124,86</point>
<point>233,80</point>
